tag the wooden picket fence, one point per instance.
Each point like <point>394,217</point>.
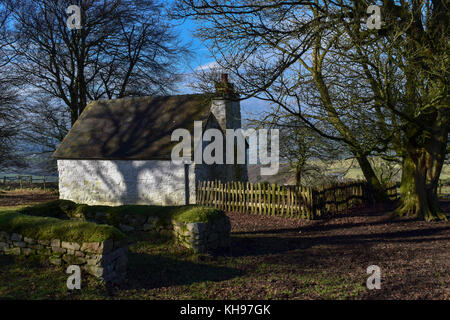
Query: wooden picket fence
<point>288,201</point>
<point>339,197</point>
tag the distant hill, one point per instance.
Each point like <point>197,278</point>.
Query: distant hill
<point>284,177</point>
<point>340,170</point>
<point>336,170</point>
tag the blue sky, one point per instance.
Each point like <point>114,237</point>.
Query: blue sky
<point>203,58</point>
<point>186,30</point>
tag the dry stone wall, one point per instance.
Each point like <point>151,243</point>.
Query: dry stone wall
<point>106,260</point>
<point>199,236</point>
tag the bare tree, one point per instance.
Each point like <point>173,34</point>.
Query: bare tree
<point>406,67</point>
<point>381,92</point>
<point>124,47</point>
<point>44,126</point>
<point>8,97</point>
<point>304,149</point>
<point>276,51</point>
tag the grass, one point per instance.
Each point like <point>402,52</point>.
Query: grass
<point>55,209</point>
<point>329,263</point>
<point>159,269</point>
<point>31,278</point>
<point>258,266</point>
<point>9,208</point>
<point>47,228</point>
<point>194,214</point>
<point>349,168</point>
<point>116,215</point>
<point>11,190</point>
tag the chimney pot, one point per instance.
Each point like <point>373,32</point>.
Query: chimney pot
<point>224,88</point>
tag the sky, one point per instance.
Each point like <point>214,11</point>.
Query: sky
<point>203,59</point>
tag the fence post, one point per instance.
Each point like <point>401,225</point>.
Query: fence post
<point>239,196</point>
<point>203,192</point>
<point>243,202</point>
<point>250,197</point>
<point>266,197</point>
<point>232,196</point>
<point>200,192</point>
<point>222,196</point>
<point>247,197</point>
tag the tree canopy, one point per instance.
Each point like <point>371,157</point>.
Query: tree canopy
<point>378,91</point>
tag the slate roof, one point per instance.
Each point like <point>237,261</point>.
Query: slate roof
<point>137,128</point>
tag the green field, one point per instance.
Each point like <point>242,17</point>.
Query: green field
<point>346,169</point>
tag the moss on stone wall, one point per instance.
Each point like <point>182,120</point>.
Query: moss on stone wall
<point>199,228</point>
<point>56,209</point>
<point>48,228</point>
<point>115,215</point>
<point>189,214</point>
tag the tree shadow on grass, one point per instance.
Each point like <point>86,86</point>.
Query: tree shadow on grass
<point>6,260</point>
<point>320,226</point>
<point>324,225</point>
<point>147,271</point>
<point>262,245</point>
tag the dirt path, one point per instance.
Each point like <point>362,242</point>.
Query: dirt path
<point>414,256</point>
<point>18,197</point>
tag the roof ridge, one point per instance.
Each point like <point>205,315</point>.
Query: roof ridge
<point>149,97</point>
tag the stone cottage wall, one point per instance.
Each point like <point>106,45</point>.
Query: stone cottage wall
<point>106,260</point>
<point>118,182</point>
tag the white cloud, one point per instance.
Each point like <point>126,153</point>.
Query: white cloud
<point>209,65</point>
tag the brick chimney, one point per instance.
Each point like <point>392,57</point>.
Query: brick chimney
<point>226,108</point>
<point>225,89</point>
<point>225,105</point>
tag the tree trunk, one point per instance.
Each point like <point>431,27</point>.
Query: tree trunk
<point>298,176</point>
<point>422,165</point>
<point>419,188</point>
<point>376,189</point>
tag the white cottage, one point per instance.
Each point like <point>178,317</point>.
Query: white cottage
<point>119,151</point>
